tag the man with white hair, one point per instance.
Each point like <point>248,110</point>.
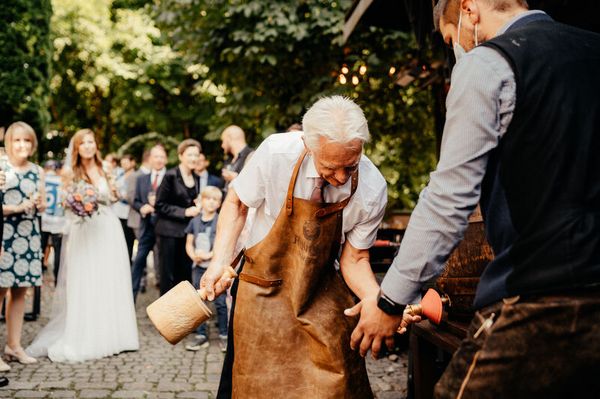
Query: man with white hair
<point>318,201</point>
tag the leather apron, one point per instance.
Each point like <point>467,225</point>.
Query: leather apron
<point>290,334</point>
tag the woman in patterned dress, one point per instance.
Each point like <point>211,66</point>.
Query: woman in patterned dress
<point>20,264</point>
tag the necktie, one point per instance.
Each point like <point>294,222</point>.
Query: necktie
<point>317,192</point>
<point>155,182</point>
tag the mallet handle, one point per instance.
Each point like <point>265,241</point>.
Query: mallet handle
<point>227,274</point>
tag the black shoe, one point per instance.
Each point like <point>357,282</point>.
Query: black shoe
<point>3,381</point>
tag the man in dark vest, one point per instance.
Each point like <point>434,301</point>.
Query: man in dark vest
<point>522,136</point>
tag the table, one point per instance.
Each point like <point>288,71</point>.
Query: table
<point>430,349</point>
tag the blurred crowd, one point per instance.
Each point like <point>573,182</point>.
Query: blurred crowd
<point>168,218</point>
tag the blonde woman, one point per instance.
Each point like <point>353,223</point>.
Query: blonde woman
<point>21,262</point>
<point>93,314</point>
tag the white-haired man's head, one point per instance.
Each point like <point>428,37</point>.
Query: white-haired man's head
<point>335,118</point>
<point>335,129</point>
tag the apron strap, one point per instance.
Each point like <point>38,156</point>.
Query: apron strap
<point>237,259</point>
<point>342,204</point>
<point>289,202</point>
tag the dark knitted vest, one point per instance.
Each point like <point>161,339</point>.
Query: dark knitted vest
<point>541,193</point>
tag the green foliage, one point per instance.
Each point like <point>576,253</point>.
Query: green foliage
<point>114,74</point>
<point>25,51</point>
<point>276,57</point>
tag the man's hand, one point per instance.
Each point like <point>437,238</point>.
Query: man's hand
<point>212,283</point>
<point>376,327</point>
<point>146,209</point>
<point>228,175</point>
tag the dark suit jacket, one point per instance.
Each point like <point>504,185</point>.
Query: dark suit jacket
<point>143,186</point>
<point>214,181</point>
<point>172,199</point>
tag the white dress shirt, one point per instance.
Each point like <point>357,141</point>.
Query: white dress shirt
<point>263,184</point>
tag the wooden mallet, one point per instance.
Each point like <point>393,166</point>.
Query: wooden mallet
<point>181,310</point>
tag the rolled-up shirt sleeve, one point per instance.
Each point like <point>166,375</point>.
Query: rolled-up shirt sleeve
<point>250,184</point>
<point>364,233</point>
<point>480,106</point>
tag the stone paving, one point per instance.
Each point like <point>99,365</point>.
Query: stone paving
<point>157,370</point>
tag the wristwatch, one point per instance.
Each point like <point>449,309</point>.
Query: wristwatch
<point>388,306</point>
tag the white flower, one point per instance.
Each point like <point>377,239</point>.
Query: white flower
<point>20,245</point>
<point>9,230</point>
<point>35,267</point>
<point>27,186</point>
<point>13,197</point>
<point>7,260</point>
<point>35,243</point>
<point>21,267</point>
<point>24,228</point>
<point>7,279</point>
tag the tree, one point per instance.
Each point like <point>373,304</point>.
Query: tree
<point>114,74</point>
<point>276,58</point>
<point>25,51</point>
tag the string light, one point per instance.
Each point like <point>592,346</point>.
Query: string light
<point>345,69</point>
<point>392,70</point>
<point>354,80</point>
<point>342,79</point>
<point>362,70</point>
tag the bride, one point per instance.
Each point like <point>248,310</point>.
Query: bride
<point>93,315</point>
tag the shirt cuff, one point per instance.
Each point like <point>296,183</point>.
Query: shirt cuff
<point>399,289</point>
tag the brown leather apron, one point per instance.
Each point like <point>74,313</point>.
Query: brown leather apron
<point>290,334</point>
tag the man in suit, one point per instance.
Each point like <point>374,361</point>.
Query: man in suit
<point>144,200</point>
<point>207,179</point>
<point>134,218</point>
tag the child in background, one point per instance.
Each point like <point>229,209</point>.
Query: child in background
<point>200,236</point>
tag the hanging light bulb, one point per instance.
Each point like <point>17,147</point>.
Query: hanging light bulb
<point>345,69</point>
<point>362,70</point>
<point>342,79</point>
<point>392,70</point>
<point>354,80</point>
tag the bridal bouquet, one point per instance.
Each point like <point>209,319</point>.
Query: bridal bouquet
<point>82,199</point>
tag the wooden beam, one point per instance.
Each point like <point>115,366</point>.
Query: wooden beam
<point>355,17</point>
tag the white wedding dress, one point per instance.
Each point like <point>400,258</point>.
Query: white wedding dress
<point>93,314</point>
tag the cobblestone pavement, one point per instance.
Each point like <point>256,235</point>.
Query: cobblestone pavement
<point>157,370</point>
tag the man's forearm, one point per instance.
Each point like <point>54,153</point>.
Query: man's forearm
<point>356,269</point>
<point>231,222</point>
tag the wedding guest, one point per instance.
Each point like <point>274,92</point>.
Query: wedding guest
<point>21,262</point>
<point>53,219</point>
<point>144,202</point>
<point>233,143</point>
<point>175,207</point>
<point>206,178</point>
<point>200,237</point>
<point>134,218</point>
<point>121,207</point>
<point>93,315</point>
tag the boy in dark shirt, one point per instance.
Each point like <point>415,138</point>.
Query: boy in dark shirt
<point>200,236</point>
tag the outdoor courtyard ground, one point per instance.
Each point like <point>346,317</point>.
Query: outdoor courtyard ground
<point>157,370</point>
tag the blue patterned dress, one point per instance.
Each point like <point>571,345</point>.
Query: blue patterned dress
<point>21,264</point>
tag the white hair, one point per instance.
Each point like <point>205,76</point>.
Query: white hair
<point>337,118</point>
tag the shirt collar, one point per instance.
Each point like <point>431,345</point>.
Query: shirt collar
<point>311,169</point>
<point>518,18</point>
<point>160,172</point>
